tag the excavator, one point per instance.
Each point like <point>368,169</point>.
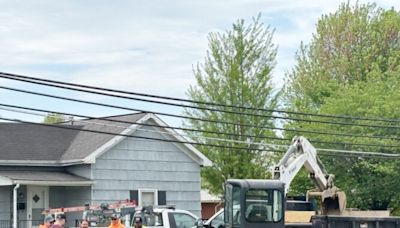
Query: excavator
<point>251,203</point>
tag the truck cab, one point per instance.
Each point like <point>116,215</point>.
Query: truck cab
<point>254,204</point>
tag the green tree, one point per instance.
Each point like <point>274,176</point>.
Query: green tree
<point>373,183</point>
<point>351,67</point>
<point>353,44</point>
<point>237,72</point>
<point>53,118</point>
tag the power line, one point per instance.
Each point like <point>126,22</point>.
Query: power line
<point>198,119</point>
<point>35,81</point>
<point>358,152</point>
<point>344,152</point>
<point>175,134</point>
<point>179,128</point>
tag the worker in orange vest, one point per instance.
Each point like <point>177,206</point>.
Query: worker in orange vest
<point>115,222</point>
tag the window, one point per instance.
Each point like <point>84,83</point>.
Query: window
<point>228,208</point>
<point>148,197</point>
<point>232,205</point>
<point>183,220</point>
<point>153,219</point>
<point>161,196</point>
<point>278,202</point>
<point>263,205</point>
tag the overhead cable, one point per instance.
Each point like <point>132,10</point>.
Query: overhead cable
<point>344,152</point>
<point>160,132</point>
<point>198,119</point>
<point>143,124</point>
<point>180,128</point>
<point>201,102</point>
<point>54,83</point>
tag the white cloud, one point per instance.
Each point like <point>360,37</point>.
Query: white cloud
<point>144,46</point>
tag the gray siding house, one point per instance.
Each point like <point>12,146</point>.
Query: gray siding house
<point>50,167</point>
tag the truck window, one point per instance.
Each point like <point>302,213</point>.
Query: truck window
<point>277,212</point>
<point>153,219</point>
<point>232,205</point>
<point>183,220</point>
<point>263,205</point>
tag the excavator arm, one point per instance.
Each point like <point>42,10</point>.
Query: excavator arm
<point>302,153</point>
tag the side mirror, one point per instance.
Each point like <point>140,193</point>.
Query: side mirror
<point>199,223</point>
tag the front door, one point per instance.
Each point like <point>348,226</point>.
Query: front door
<point>37,201</point>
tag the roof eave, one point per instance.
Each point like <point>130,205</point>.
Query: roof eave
<point>53,183</point>
<point>4,181</point>
<point>52,163</point>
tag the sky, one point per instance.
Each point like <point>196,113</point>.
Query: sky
<point>145,46</point>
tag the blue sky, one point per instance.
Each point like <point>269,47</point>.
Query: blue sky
<point>141,46</point>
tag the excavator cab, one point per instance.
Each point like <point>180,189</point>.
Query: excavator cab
<point>254,204</point>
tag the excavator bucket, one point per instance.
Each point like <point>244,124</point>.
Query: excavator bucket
<point>333,201</point>
<point>333,205</point>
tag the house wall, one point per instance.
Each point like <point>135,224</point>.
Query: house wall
<point>5,202</point>
<point>81,170</point>
<point>147,164</point>
<point>61,196</point>
<point>77,196</point>
<point>56,196</point>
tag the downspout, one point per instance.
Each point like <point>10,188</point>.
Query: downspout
<point>15,206</point>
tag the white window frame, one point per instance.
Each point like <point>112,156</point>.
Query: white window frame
<point>140,191</point>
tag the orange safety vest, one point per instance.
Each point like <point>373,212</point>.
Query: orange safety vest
<point>118,225</point>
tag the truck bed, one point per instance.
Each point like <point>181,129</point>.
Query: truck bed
<point>336,221</point>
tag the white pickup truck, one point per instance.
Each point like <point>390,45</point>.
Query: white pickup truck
<point>168,217</point>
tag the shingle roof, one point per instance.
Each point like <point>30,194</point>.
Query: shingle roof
<point>34,142</point>
<point>87,142</point>
<point>23,144</point>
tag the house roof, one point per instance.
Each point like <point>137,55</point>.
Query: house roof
<point>11,177</point>
<point>207,197</point>
<point>85,143</point>
<point>34,142</point>
<point>43,145</point>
